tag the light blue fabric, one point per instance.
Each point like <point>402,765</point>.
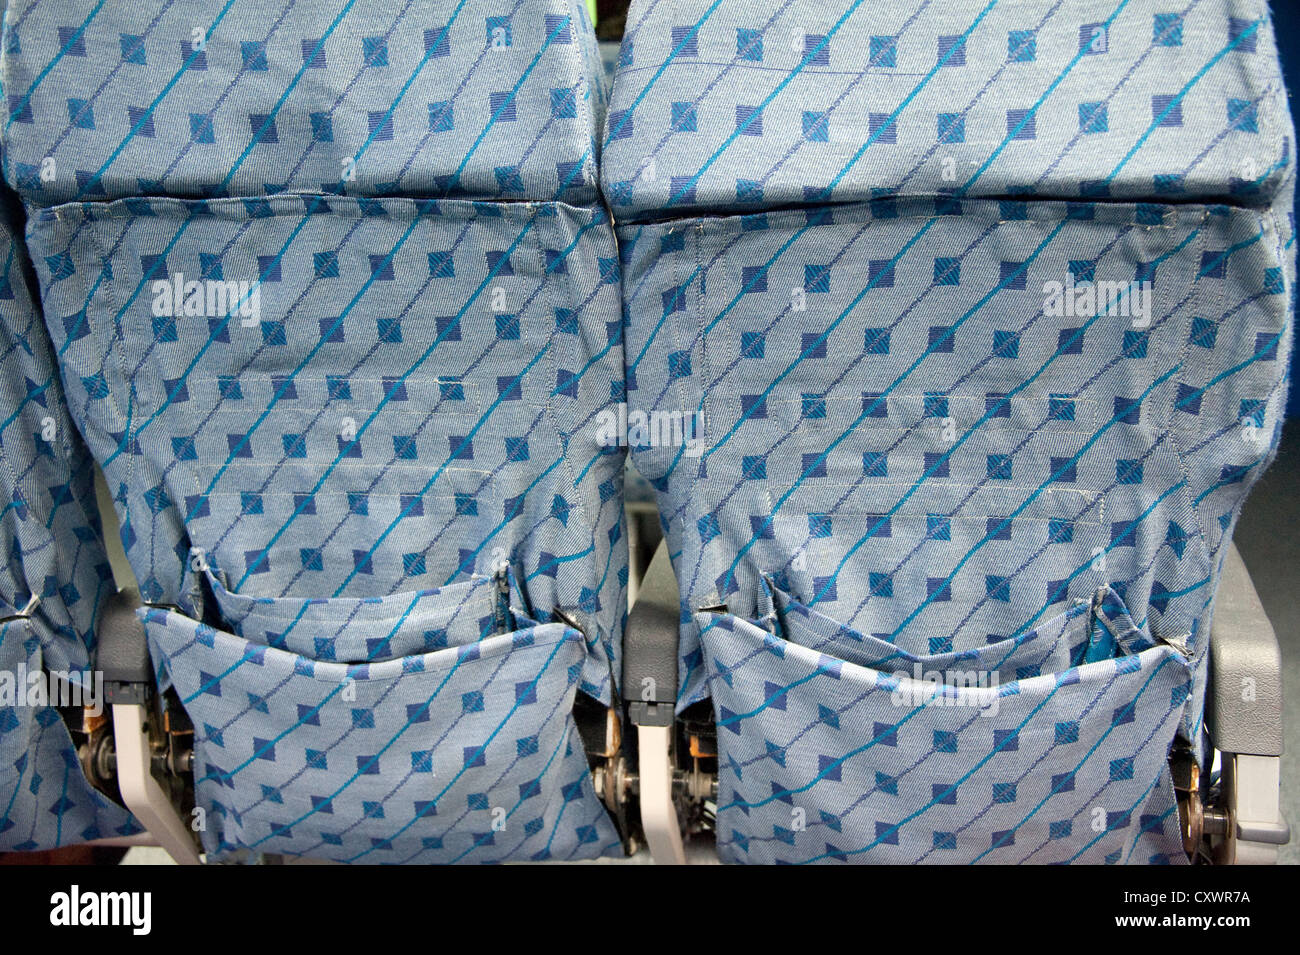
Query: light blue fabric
<point>789,101</point>
<point>192,99</point>
<point>873,436</point>
<point>54,576</point>
<point>839,228</point>
<point>868,762</point>
<point>327,473</point>
<point>466,754</point>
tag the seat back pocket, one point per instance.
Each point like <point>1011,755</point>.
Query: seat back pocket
<point>1049,747</point>
<point>467,753</point>
<point>367,629</point>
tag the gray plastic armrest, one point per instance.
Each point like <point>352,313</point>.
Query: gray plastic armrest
<point>1244,707</point>
<point>123,653</point>
<point>650,646</point>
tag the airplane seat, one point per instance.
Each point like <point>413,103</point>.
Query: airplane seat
<point>54,581</point>
<point>331,298</point>
<point>982,314</point>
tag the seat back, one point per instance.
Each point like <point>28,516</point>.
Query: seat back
<point>54,577</point>
<point>331,294</point>
<point>983,313</point>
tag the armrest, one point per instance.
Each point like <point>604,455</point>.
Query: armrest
<point>1243,711</point>
<point>650,646</point>
<point>122,654</point>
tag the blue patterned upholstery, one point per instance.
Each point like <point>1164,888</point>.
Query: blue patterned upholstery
<point>54,576</point>
<point>363,481</point>
<point>795,102</point>
<point>921,465</point>
<point>193,100</point>
<point>467,753</point>
<point>332,296</point>
<point>1007,772</point>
